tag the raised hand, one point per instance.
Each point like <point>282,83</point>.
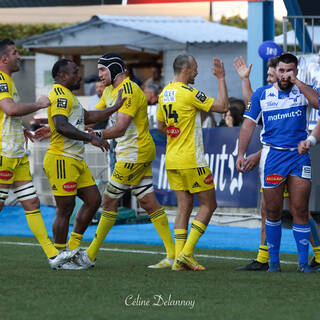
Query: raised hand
<point>218,68</point>
<point>242,68</point>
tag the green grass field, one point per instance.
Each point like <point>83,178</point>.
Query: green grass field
<point>31,290</point>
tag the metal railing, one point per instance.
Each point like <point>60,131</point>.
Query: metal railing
<point>306,31</point>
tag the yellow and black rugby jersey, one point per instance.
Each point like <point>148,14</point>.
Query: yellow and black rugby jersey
<point>179,107</point>
<point>136,145</point>
<point>11,129</point>
<point>106,97</point>
<point>64,102</point>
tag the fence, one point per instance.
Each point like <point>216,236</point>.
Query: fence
<point>305,36</point>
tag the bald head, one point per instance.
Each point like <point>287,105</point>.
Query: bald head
<point>182,61</point>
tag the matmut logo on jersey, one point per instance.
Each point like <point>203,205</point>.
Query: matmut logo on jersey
<point>6,175</point>
<point>173,131</point>
<point>280,116</point>
<point>70,186</point>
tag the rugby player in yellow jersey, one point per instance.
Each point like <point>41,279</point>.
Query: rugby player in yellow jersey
<point>134,152</point>
<point>14,164</point>
<point>188,173</point>
<point>63,163</point>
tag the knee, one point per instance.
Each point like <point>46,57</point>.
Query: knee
<point>65,209</point>
<point>31,204</point>
<point>94,201</point>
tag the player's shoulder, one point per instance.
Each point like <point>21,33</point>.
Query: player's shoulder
<point>264,91</point>
<point>4,77</point>
<point>187,88</point>
<point>61,96</point>
<point>129,87</point>
<point>58,91</point>
<point>5,82</point>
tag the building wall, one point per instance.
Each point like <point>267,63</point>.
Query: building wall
<point>227,52</point>
<point>25,79</point>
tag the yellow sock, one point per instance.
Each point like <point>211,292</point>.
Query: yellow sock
<point>160,221</point>
<point>39,230</point>
<point>263,254</point>
<point>180,238</point>
<point>107,220</point>
<point>74,241</point>
<point>316,251</point>
<point>60,246</point>
<point>196,231</point>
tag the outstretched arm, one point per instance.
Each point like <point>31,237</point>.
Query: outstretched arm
<point>119,129</point>
<point>221,104</point>
<point>244,73</point>
<point>99,115</point>
<point>65,128</point>
<point>11,108</point>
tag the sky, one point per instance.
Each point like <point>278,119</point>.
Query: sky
<point>241,7</point>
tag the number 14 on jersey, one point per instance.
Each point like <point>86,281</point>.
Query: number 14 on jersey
<point>170,114</point>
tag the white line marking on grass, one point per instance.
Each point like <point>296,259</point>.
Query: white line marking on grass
<point>147,252</point>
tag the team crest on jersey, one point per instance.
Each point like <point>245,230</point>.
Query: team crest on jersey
<point>6,175</point>
<point>4,87</point>
<point>201,96</point>
<point>62,103</point>
<point>274,178</point>
<point>173,131</point>
<point>70,186</point>
<point>209,179</point>
<point>248,106</point>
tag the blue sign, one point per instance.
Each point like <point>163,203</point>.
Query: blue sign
<point>269,49</point>
<point>233,189</point>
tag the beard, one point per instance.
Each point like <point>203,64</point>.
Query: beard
<point>284,87</point>
<point>76,86</point>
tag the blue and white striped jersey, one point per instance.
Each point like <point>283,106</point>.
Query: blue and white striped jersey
<point>284,116</point>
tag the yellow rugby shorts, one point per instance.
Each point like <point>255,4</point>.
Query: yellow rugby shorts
<point>131,173</point>
<point>66,175</point>
<point>193,180</point>
<point>14,169</point>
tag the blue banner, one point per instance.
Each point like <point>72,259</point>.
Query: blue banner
<point>233,189</point>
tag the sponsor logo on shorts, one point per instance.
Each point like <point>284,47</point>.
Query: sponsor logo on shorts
<point>304,242</point>
<point>209,179</point>
<point>274,178</point>
<point>173,131</point>
<point>6,175</point>
<point>70,186</point>
<point>306,172</point>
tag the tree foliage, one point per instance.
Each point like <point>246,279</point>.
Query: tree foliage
<point>239,22</point>
<point>20,31</point>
